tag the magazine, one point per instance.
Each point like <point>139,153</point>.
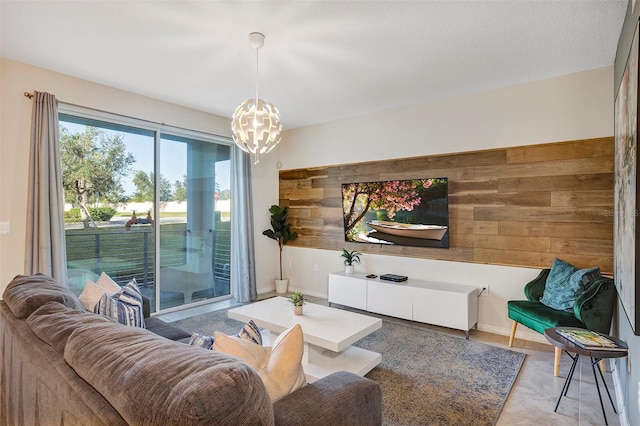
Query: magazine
<point>588,339</point>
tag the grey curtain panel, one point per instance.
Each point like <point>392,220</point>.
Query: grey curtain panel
<point>45,245</point>
<point>243,259</point>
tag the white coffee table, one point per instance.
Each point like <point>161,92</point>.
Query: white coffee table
<point>328,334</point>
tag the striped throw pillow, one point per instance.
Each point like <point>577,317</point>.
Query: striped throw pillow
<point>249,332</point>
<point>125,306</point>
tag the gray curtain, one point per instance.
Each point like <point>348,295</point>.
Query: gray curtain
<point>45,245</point>
<point>243,251</point>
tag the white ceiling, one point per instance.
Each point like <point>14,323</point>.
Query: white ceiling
<point>322,60</point>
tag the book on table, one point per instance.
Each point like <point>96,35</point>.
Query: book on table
<point>588,339</point>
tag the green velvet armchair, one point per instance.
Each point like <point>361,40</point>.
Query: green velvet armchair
<point>592,310</point>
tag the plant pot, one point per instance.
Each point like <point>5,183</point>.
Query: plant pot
<point>297,310</point>
<point>281,286</point>
<point>349,269</point>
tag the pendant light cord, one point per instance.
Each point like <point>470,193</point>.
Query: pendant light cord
<point>255,110</point>
<point>257,59</point>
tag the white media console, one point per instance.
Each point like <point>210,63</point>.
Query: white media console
<point>444,304</point>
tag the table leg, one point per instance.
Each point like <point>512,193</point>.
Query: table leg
<point>567,381</point>
<point>595,361</point>
<point>571,371</point>
<point>595,377</point>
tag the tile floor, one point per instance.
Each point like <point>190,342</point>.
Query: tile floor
<point>534,395</point>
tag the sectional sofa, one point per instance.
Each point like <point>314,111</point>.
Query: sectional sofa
<point>63,365</point>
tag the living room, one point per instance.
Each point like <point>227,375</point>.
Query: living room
<point>569,107</point>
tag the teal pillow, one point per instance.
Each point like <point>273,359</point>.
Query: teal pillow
<point>566,283</point>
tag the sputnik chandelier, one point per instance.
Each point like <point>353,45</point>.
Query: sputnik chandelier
<point>256,122</point>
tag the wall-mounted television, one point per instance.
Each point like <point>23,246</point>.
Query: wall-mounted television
<point>409,212</point>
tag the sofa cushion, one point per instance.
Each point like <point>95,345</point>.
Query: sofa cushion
<point>565,284</point>
<point>124,306</point>
<point>539,317</point>
<point>26,293</point>
<point>279,366</point>
<point>166,382</point>
<point>54,322</point>
<point>93,291</point>
<point>168,331</point>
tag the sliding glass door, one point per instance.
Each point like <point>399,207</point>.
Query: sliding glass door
<point>149,202</point>
<point>195,240</point>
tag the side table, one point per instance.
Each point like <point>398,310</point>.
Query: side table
<point>574,351</point>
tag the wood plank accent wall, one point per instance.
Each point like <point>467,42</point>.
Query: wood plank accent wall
<point>520,206</point>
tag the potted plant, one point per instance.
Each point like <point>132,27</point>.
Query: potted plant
<point>298,300</point>
<point>350,257</point>
<point>280,232</point>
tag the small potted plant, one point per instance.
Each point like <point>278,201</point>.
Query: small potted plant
<point>280,232</point>
<point>350,257</point>
<point>298,300</point>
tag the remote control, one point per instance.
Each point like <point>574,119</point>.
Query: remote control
<point>372,276</point>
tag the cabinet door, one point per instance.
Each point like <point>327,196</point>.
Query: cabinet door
<point>389,299</point>
<point>348,291</point>
<point>447,309</point>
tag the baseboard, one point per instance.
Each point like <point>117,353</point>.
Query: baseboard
<point>617,385</point>
<point>309,293</point>
<point>262,290</point>
<point>522,333</point>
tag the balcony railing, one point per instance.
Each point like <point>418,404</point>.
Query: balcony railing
<point>124,255</point>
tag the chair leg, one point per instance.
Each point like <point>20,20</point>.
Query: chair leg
<point>556,363</point>
<point>513,333</point>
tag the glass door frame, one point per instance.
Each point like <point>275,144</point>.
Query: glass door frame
<point>159,129</point>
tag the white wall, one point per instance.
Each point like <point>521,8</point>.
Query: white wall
<point>571,107</point>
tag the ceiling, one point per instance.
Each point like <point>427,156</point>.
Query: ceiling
<point>322,60</point>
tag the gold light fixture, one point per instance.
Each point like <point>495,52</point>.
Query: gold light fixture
<point>256,122</point>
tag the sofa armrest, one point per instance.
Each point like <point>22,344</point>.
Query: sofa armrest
<point>596,305</point>
<point>340,398</point>
<point>534,289</point>
<point>146,306</point>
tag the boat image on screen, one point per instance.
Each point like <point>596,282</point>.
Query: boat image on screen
<point>407,212</point>
<point>426,232</point>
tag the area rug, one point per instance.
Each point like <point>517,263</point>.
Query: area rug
<point>427,377</point>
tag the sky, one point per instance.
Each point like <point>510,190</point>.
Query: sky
<point>173,158</point>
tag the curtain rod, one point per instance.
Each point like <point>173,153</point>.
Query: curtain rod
<point>31,95</point>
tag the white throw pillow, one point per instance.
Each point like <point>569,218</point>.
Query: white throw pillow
<point>279,366</point>
<point>106,282</point>
<point>93,291</point>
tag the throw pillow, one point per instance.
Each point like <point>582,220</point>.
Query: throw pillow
<point>93,291</point>
<point>565,284</point>
<point>124,306</point>
<point>249,331</point>
<point>279,366</point>
<point>91,294</point>
<point>579,282</point>
<point>201,340</point>
<point>106,282</point>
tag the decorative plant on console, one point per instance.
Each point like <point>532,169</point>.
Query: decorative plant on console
<point>280,232</point>
<point>350,257</point>
<point>298,300</point>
